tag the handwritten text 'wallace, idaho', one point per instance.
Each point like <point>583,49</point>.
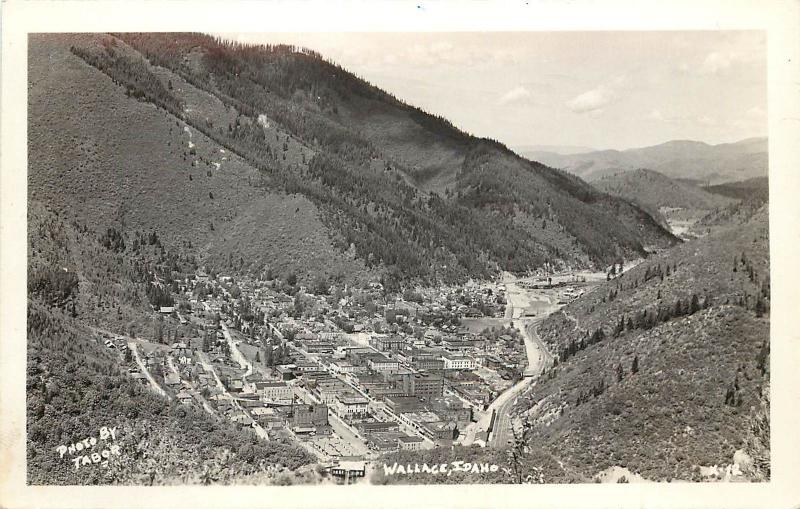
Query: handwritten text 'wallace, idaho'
<point>443,468</point>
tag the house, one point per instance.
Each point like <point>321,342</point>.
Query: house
<point>235,385</point>
<point>410,442</point>
<point>172,380</point>
<point>166,310</point>
<point>184,398</point>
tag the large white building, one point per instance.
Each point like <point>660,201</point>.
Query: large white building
<point>274,391</point>
<point>458,362</point>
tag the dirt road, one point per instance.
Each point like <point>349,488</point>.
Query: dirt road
<point>157,388</point>
<point>261,432</point>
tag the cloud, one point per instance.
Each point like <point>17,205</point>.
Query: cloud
<point>593,100</point>
<point>515,95</point>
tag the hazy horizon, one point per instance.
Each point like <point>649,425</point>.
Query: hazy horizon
<point>604,90</point>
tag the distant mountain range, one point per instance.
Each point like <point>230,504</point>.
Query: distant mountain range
<point>711,164</point>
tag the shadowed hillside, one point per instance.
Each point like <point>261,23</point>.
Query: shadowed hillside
<point>104,157</point>
<point>654,190</point>
<point>663,370</point>
<point>240,135</point>
<point>675,203</point>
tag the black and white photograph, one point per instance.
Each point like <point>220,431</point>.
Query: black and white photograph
<point>380,258</point>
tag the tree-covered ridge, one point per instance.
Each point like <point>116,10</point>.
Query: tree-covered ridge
<point>671,359</point>
<point>390,219</point>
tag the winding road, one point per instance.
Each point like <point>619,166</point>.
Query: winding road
<point>538,360</point>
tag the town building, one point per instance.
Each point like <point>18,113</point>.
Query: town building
<point>348,471</point>
<point>274,391</point>
<point>387,342</point>
<point>309,416</point>
<point>410,442</point>
<point>461,362</point>
<point>351,406</point>
<point>381,363</point>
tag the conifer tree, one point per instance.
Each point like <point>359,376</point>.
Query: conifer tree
<point>694,307</point>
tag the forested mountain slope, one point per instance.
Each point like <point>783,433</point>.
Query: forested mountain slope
<point>80,284</point>
<point>654,190</point>
<point>271,157</point>
<point>663,370</point>
<point>101,156</point>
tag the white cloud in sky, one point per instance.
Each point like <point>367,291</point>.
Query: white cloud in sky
<point>515,95</point>
<point>593,100</point>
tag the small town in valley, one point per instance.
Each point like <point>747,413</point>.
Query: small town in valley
<point>351,374</point>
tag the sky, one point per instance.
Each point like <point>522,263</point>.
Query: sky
<point>597,90</point>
